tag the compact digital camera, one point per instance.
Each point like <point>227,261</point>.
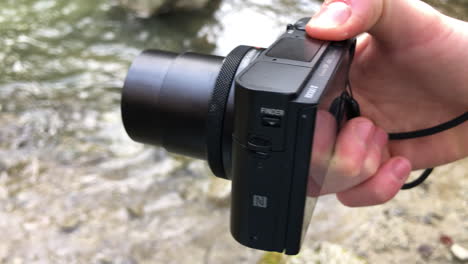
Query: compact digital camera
<point>266,119</point>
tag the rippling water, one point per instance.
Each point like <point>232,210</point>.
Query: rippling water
<point>73,187</point>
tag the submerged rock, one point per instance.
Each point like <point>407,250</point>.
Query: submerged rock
<point>146,8</point>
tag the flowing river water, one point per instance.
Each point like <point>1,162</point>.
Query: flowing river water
<point>75,189</point>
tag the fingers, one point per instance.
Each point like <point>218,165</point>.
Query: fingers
<point>322,152</point>
<point>382,187</point>
<point>341,19</point>
<point>359,151</point>
<point>393,22</point>
<point>357,165</point>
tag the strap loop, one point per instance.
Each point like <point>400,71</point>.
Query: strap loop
<point>430,131</point>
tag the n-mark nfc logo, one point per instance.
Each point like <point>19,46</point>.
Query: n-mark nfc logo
<point>312,90</point>
<point>260,201</point>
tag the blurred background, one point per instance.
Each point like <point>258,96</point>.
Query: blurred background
<point>75,189</point>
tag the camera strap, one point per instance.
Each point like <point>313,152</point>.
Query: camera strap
<point>424,133</point>
<point>430,131</point>
<point>351,106</point>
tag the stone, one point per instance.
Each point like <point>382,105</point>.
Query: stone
<point>459,252</point>
<point>147,8</point>
<point>446,240</point>
<point>219,191</point>
<point>425,251</point>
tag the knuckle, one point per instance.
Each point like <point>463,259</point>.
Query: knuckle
<point>349,167</point>
<point>370,167</point>
<point>381,196</point>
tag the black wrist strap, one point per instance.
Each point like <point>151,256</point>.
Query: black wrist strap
<point>353,108</point>
<point>423,133</point>
<point>430,131</point>
<point>419,180</point>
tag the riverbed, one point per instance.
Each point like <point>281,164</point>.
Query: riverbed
<point>75,189</point>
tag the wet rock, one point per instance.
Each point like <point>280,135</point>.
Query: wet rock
<point>219,191</point>
<point>459,252</point>
<point>104,260</point>
<point>135,212</point>
<point>70,225</point>
<point>446,240</point>
<point>432,218</point>
<point>146,8</point>
<point>425,251</point>
<point>395,211</point>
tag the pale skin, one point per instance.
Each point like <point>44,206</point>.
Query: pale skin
<point>410,72</point>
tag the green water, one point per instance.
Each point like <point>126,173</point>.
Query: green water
<point>454,8</point>
<point>73,187</point>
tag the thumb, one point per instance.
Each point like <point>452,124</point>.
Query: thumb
<point>395,22</point>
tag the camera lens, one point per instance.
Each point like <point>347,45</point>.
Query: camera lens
<point>165,100</point>
<point>184,103</point>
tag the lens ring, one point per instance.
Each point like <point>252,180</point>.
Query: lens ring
<point>217,107</point>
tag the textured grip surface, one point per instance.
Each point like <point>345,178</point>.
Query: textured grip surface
<point>217,108</point>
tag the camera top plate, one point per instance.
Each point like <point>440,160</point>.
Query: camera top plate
<point>286,65</point>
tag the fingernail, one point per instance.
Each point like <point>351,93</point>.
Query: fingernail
<point>364,130</point>
<point>331,15</point>
<point>401,169</point>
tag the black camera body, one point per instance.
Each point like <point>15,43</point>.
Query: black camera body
<point>277,98</point>
<point>252,115</point>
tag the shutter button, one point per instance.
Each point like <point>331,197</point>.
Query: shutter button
<point>301,24</point>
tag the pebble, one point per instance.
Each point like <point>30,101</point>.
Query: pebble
<point>446,240</point>
<point>425,251</point>
<point>135,212</point>
<point>432,218</point>
<point>459,252</point>
<point>70,225</point>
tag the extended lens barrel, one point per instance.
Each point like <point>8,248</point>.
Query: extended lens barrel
<point>165,100</point>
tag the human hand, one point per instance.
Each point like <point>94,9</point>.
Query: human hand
<point>410,72</point>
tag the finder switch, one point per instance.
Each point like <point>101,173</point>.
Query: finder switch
<point>271,121</point>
